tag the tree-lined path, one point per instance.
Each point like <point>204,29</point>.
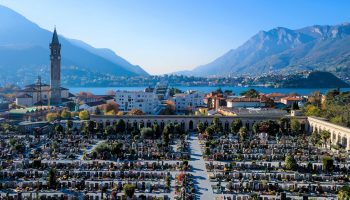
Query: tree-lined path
<point>203,190</point>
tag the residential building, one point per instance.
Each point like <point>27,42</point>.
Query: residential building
<point>276,97</point>
<point>89,98</point>
<point>244,102</point>
<point>289,101</point>
<point>147,102</point>
<point>214,100</point>
<point>4,104</point>
<point>188,101</point>
<point>161,90</point>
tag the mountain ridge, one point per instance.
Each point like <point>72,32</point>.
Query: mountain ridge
<point>19,38</point>
<point>317,47</point>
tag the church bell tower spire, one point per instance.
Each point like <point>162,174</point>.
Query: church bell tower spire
<point>55,70</point>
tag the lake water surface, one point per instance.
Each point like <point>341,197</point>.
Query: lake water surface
<point>207,89</point>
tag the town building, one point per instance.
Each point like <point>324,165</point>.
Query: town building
<point>244,102</point>
<point>161,90</point>
<point>4,104</point>
<point>90,98</point>
<point>146,101</point>
<point>276,97</point>
<point>214,100</point>
<point>39,94</point>
<point>289,101</point>
<point>30,113</point>
<point>188,101</point>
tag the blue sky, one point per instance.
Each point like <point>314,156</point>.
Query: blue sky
<point>165,36</point>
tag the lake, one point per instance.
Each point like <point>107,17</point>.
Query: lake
<point>207,89</point>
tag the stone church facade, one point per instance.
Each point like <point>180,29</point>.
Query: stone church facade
<point>40,94</point>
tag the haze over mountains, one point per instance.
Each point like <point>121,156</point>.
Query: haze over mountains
<point>285,50</point>
<point>24,50</point>
<point>24,54</point>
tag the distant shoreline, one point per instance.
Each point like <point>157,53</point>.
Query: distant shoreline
<point>206,89</point>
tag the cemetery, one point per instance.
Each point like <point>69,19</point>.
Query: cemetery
<point>271,159</point>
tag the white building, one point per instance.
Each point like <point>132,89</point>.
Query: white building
<point>146,101</point>
<point>189,100</point>
<point>244,102</point>
<point>162,90</point>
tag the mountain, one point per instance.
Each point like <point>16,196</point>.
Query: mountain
<point>24,50</point>
<point>315,79</point>
<point>286,51</point>
<point>110,55</point>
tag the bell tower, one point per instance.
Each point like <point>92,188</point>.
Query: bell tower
<point>55,70</point>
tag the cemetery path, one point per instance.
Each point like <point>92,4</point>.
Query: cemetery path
<point>88,150</point>
<point>201,179</point>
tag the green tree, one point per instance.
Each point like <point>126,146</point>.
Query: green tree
<point>327,163</point>
<point>219,90</point>
<point>98,111</point>
<point>51,117</point>
<point>200,127</point>
<point>291,163</point>
<point>91,126</point>
<point>12,141</point>
<point>69,124</point>
<point>52,180</point>
<point>255,127</point>
<point>344,193</point>
<point>65,114</point>
<point>166,134</point>
<point>210,130</point>
<point>120,126</point>
<point>311,110</point>
<point>147,133</point>
<point>251,93</point>
<point>283,123</point>
<point>129,190</point>
<point>236,125</point>
<point>254,196</point>
<point>59,128</point>
<point>109,130</point>
<point>295,125</point>
<point>5,127</point>
<point>315,98</point>
<point>157,130</point>
<point>178,129</point>
<point>315,138</point>
<point>135,112</point>
<point>295,106</point>
<point>174,91</point>
<point>84,115</point>
<point>268,126</point>
<point>242,133</point>
<point>325,135</point>
<point>207,151</point>
<point>216,122</point>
